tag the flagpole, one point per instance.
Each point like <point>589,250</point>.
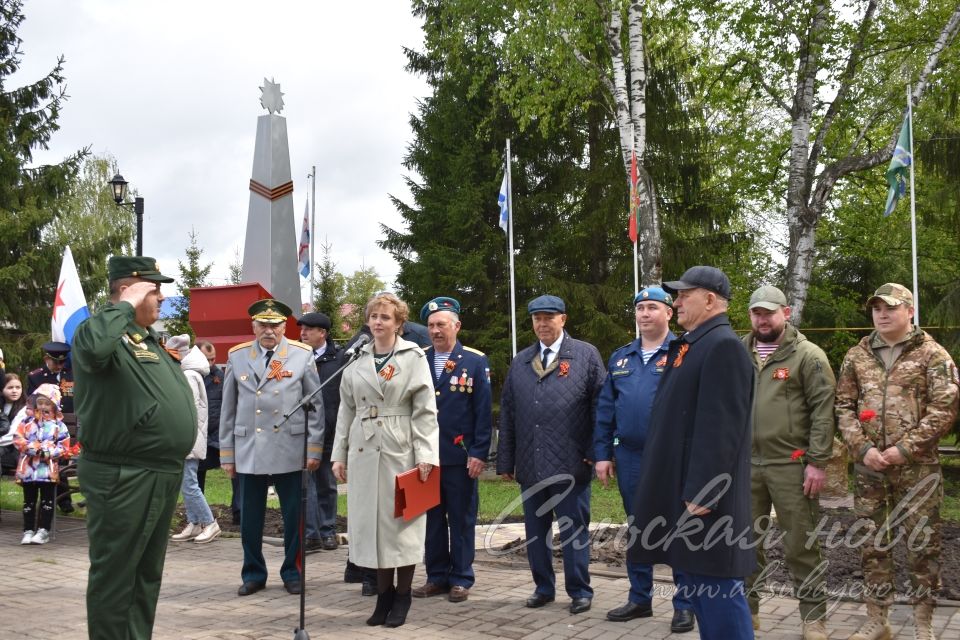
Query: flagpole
<point>636,212</point>
<point>513,288</point>
<point>313,227</point>
<point>913,214</point>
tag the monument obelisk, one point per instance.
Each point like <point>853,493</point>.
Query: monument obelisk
<point>270,250</point>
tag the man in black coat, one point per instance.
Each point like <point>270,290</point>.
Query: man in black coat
<point>321,532</point>
<point>693,498</point>
<point>547,416</point>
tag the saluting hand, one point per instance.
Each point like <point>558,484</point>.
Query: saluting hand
<point>137,292</point>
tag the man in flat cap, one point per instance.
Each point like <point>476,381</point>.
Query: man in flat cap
<point>693,498</point>
<point>896,398</point>
<point>792,411</point>
<point>461,377</point>
<point>55,370</point>
<point>547,415</point>
<point>137,424</point>
<point>623,417</point>
<point>321,520</point>
<point>266,378</point>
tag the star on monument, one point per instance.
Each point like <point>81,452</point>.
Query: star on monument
<point>271,98</point>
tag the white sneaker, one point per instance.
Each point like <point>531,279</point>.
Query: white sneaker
<point>208,533</point>
<point>189,532</point>
<point>40,537</point>
<point>27,537</point>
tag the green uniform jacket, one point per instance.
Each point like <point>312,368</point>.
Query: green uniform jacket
<point>132,400</point>
<point>793,403</point>
<point>915,402</point>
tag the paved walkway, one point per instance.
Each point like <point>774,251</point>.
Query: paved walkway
<point>198,599</point>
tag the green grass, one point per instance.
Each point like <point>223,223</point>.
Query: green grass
<point>495,497</point>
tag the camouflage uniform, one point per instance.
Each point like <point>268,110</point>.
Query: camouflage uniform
<point>915,403</point>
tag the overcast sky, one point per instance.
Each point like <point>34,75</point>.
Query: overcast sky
<point>171,90</point>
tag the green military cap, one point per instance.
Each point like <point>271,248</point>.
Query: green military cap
<point>439,304</point>
<point>135,267</point>
<point>269,311</point>
<point>893,294</point>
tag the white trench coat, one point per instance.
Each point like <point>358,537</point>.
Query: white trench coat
<point>385,427</point>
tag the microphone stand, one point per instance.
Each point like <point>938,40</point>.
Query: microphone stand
<point>306,404</point>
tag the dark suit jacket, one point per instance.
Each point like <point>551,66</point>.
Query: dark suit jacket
<point>698,450</point>
<point>327,365</point>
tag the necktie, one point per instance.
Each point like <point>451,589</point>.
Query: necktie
<point>267,360</point>
<point>545,359</point>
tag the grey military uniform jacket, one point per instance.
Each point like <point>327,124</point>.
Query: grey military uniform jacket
<point>255,397</point>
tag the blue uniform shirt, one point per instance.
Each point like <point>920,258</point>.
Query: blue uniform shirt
<point>464,404</point>
<point>626,399</point>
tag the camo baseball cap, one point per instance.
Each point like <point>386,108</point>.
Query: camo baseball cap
<point>893,294</point>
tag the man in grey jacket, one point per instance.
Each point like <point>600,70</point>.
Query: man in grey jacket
<point>265,379</point>
<point>547,417</point>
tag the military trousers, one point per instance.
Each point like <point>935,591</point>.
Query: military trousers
<point>253,499</point>
<point>450,542</point>
<point>129,510</point>
<point>781,486</point>
<point>909,497</point>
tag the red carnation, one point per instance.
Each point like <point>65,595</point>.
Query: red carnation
<point>867,415</point>
<point>798,454</point>
<point>459,441</point>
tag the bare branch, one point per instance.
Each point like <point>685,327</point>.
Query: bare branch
<point>846,80</point>
<point>947,34</point>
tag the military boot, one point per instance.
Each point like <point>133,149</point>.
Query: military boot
<point>816,630</point>
<point>923,621</point>
<point>876,627</point>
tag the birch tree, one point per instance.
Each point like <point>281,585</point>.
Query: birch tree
<point>837,76</point>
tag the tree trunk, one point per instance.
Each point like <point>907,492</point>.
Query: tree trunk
<point>630,104</point>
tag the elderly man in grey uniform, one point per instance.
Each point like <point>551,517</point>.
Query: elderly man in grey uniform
<point>265,379</point>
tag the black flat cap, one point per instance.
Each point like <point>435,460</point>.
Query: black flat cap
<point>315,319</point>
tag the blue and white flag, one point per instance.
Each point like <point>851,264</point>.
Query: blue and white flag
<point>304,254</point>
<point>69,305</point>
<point>504,203</point>
<point>899,166</point>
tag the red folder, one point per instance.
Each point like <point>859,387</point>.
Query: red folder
<point>413,497</point>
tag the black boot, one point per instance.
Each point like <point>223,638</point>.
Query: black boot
<point>385,602</point>
<point>398,614</point>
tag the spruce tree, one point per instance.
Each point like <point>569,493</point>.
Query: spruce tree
<point>29,259</point>
<point>192,274</point>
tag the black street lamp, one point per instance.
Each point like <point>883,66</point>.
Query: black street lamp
<point>119,186</point>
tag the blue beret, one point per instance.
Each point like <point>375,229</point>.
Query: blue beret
<point>653,293</point>
<point>547,304</point>
<point>439,304</point>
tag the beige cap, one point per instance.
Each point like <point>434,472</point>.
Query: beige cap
<point>768,297</point>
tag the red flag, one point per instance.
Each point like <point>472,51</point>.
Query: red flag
<point>634,198</point>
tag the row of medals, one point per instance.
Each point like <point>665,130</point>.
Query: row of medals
<point>461,384</point>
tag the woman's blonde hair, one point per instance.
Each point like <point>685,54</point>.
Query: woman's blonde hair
<point>401,312</point>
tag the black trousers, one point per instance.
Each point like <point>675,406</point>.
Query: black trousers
<point>31,491</point>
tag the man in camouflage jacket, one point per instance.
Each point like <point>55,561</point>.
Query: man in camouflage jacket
<point>896,397</point>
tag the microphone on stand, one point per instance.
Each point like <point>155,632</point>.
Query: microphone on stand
<point>354,350</point>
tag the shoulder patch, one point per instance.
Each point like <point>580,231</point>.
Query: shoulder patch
<point>295,343</point>
<point>242,345</point>
<point>472,350</point>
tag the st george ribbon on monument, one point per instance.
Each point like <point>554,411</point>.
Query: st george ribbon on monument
<point>270,250</point>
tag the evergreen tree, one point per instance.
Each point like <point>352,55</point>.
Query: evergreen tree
<point>29,259</point>
<point>192,275</point>
<point>329,289</point>
<point>235,268</point>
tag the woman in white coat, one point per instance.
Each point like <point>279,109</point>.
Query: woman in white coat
<point>387,425</point>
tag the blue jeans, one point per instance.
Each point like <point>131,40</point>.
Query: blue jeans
<point>720,605</point>
<point>321,518</point>
<point>198,511</point>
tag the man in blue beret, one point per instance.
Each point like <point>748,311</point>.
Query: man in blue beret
<point>461,378</point>
<point>547,415</point>
<point>623,415</point>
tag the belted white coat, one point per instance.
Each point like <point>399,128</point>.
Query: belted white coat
<point>387,424</point>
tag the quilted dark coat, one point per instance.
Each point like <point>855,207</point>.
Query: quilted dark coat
<point>547,419</point>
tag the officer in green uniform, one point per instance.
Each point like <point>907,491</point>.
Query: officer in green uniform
<point>137,424</point>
